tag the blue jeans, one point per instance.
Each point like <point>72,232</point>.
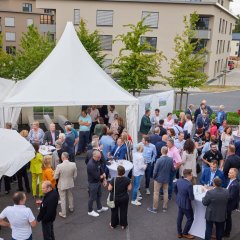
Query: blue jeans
<point>170,184</point>
<point>83,140</point>
<point>136,185</point>
<point>30,238</point>
<point>148,173</point>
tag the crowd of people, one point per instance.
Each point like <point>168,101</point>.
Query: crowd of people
<point>175,152</point>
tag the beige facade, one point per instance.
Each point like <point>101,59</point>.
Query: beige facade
<point>17,15</point>
<point>166,18</point>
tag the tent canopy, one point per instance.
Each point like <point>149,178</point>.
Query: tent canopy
<point>68,77</point>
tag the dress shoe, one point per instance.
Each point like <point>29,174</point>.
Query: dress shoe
<point>188,236</point>
<point>179,236</point>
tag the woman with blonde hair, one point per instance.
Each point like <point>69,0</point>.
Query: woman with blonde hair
<point>36,171</point>
<point>24,133</point>
<point>48,171</point>
<point>226,138</point>
<point>36,134</point>
<point>182,119</point>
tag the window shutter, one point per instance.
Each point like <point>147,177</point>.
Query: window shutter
<point>104,17</point>
<point>151,19</point>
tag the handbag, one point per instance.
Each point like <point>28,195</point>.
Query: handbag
<point>111,204</point>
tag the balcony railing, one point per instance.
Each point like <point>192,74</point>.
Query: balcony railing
<point>203,33</point>
<point>47,28</point>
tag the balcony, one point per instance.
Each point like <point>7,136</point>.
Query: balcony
<point>203,34</point>
<point>45,28</point>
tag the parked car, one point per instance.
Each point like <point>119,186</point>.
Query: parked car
<point>230,65</point>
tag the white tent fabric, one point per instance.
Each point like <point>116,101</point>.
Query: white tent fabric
<point>11,161</point>
<point>68,77</point>
<point>7,114</point>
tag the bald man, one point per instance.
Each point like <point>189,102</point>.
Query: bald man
<point>51,136</point>
<point>96,175</point>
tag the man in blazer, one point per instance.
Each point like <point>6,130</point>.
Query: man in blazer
<point>120,150</point>
<point>65,172</point>
<point>190,110</point>
<point>52,135</point>
<point>203,121</point>
<point>210,173</point>
<point>233,202</point>
<point>216,201</point>
<point>184,192</point>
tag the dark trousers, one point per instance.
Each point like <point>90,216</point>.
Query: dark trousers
<point>7,183</point>
<point>219,230</point>
<point>83,141</point>
<point>95,194</point>
<point>47,229</point>
<point>92,130</point>
<point>148,173</point>
<point>228,226</point>
<point>189,215</point>
<point>22,174</point>
<point>30,238</point>
<point>121,207</point>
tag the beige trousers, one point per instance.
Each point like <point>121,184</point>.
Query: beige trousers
<point>156,193</point>
<point>63,195</point>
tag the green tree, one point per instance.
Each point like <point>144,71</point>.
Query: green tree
<point>237,25</point>
<point>6,62</point>
<point>138,63</point>
<point>186,67</point>
<point>34,49</point>
<point>91,42</point>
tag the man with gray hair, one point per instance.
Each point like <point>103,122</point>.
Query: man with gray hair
<point>66,173</point>
<point>161,175</point>
<point>155,137</point>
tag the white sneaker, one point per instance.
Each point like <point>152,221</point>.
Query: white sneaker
<point>136,202</point>
<point>139,198</point>
<point>93,214</point>
<point>103,209</point>
<point>148,191</point>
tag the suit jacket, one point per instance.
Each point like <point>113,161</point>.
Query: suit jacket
<point>154,138</point>
<point>188,111</point>
<point>232,161</point>
<point>233,191</point>
<point>65,172</point>
<point>145,125</point>
<point>200,122</point>
<point>206,176</point>
<point>121,152</point>
<point>48,137</point>
<point>198,111</point>
<point>216,201</point>
<point>237,146</point>
<point>184,192</point>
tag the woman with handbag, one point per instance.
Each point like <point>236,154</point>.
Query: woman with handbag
<point>119,188</point>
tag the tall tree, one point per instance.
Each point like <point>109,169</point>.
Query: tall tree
<point>237,25</point>
<point>138,62</point>
<point>34,49</point>
<point>91,42</point>
<point>186,68</point>
<point>7,62</point>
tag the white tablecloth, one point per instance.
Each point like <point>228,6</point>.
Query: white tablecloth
<point>46,150</point>
<point>199,224</point>
<point>113,167</point>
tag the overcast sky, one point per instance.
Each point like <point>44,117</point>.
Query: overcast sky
<point>235,7</point>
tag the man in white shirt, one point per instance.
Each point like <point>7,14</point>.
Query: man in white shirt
<point>111,114</point>
<point>188,126</point>
<point>156,118</point>
<point>20,218</point>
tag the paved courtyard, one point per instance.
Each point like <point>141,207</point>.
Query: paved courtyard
<point>79,226</point>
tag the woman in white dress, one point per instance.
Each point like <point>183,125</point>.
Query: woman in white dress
<point>226,138</point>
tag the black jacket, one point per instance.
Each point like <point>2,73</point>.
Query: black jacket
<point>233,201</point>
<point>232,161</point>
<point>48,207</point>
<point>48,137</point>
<point>94,171</point>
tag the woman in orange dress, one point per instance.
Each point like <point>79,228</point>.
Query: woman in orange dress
<point>48,172</point>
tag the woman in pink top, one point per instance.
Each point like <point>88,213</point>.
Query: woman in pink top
<point>168,121</point>
<point>213,129</point>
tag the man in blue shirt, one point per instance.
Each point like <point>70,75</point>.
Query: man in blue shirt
<point>149,154</point>
<point>85,122</point>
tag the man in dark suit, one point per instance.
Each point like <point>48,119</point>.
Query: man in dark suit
<point>52,135</point>
<point>184,192</point>
<point>233,202</point>
<point>190,110</point>
<point>203,121</point>
<point>161,144</point>
<point>163,131</point>
<point>210,173</point>
<point>154,138</point>
<point>120,150</point>
<point>203,106</point>
<point>216,202</point>
<point>237,146</point>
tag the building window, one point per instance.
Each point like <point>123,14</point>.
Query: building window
<point>220,25</point>
<point>228,47</point>
<point>105,18</point>
<point>39,112</point>
<point>151,41</point>
<point>151,19</point>
<point>223,46</point>
<point>223,26</point>
<point>230,30</point>
<point>203,23</point>
<point>107,66</point>
<point>29,22</point>
<point>236,53</point>
<point>27,7</point>
<point>11,50</point>
<point>220,47</point>
<point>46,19</point>
<point>76,16</point>
<point>217,46</point>
<point>218,65</point>
<point>49,11</point>
<point>226,27</point>
<point>10,36</point>
<point>106,42</point>
<point>215,68</point>
<point>9,22</point>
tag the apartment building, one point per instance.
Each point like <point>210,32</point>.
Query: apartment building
<point>235,45</point>
<point>17,15</point>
